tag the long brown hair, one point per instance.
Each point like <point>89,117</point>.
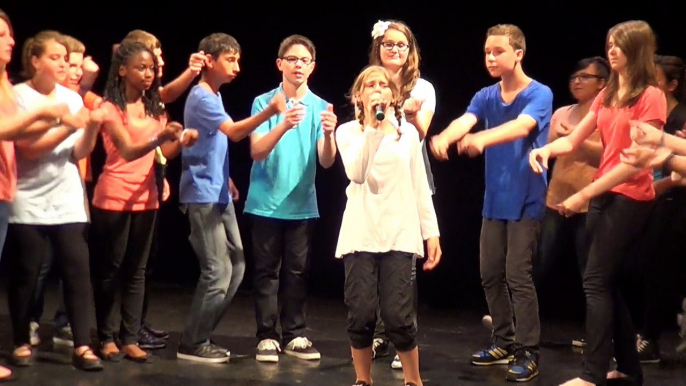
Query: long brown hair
<point>410,71</point>
<point>637,41</point>
<point>5,86</point>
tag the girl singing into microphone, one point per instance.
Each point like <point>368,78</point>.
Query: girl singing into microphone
<point>388,215</point>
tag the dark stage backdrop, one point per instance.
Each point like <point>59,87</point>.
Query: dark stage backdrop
<point>451,41</point>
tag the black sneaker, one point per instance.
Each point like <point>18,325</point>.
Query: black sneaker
<point>207,353</point>
<point>302,348</point>
<point>524,367</point>
<point>492,355</point>
<point>379,348</point>
<point>148,341</point>
<point>63,337</point>
<point>648,350</point>
<point>268,351</point>
<point>155,332</point>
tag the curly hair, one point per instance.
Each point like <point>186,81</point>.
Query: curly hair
<point>115,89</point>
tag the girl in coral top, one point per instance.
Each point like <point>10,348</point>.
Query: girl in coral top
<point>125,199</point>
<point>621,197</point>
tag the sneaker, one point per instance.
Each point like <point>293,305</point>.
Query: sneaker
<point>493,355</point>
<point>301,347</point>
<point>396,364</point>
<point>63,337</point>
<point>207,353</point>
<point>268,351</point>
<point>648,350</point>
<point>155,332</point>
<point>379,348</point>
<point>524,367</point>
<point>33,334</point>
<point>148,341</point>
<point>579,342</point>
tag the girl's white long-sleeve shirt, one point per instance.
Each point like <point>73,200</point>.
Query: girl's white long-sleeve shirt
<point>389,205</point>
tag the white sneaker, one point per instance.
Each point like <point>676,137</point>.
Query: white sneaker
<point>301,347</point>
<point>396,364</point>
<point>33,334</point>
<point>268,351</point>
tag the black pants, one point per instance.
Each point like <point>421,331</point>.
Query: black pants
<point>613,221</point>
<point>383,279</point>
<point>160,174</point>
<point>34,245</point>
<point>654,269</point>
<point>380,329</point>
<point>120,244</point>
<point>281,251</point>
<point>506,258</point>
<point>558,235</point>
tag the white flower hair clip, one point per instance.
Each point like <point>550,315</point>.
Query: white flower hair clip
<point>380,28</point>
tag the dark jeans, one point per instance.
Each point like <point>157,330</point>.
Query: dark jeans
<point>34,244</point>
<point>383,279</point>
<point>120,244</point>
<point>560,234</point>
<point>380,329</point>
<point>612,223</point>
<point>507,250</point>
<point>281,249</point>
<point>216,240</point>
<point>654,268</point>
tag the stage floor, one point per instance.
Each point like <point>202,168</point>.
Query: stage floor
<point>447,339</point>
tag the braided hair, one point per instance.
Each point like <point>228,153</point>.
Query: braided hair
<point>358,85</point>
<point>115,89</point>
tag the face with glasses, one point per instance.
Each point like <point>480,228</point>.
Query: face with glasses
<point>394,49</point>
<point>585,84</point>
<point>296,64</point>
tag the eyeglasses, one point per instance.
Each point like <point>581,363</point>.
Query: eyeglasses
<point>583,77</point>
<point>390,45</point>
<point>294,60</point>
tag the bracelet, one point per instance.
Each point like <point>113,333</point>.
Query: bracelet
<point>182,133</point>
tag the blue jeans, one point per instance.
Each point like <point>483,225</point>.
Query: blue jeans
<point>4,222</point>
<point>216,240</point>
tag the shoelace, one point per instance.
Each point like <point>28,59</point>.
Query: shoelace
<point>269,344</point>
<point>301,343</point>
<point>641,344</point>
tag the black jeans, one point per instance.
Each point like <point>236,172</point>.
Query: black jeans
<point>560,234</point>
<point>384,279</point>
<point>655,266</point>
<point>34,245</point>
<point>281,250</point>
<point>507,251</point>
<point>120,244</point>
<point>380,329</point>
<point>613,221</point>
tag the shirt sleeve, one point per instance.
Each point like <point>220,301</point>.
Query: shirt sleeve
<point>426,92</point>
<point>478,104</point>
<point>210,115</point>
<point>257,106</point>
<point>318,120</point>
<point>652,106</point>
<point>597,102</point>
<point>420,184</point>
<point>540,106</point>
<point>358,149</point>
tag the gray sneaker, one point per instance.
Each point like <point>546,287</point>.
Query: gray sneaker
<point>302,348</point>
<point>63,337</point>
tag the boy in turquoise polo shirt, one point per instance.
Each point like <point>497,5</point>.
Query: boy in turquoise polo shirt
<point>283,202</point>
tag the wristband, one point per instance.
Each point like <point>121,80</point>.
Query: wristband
<point>182,133</point>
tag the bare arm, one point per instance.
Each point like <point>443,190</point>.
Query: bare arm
<point>85,144</point>
<point>507,132</point>
<point>459,127</point>
<point>38,146</point>
<point>326,149</point>
<point>263,144</point>
<point>128,150</point>
<point>583,130</point>
<point>236,131</point>
<point>422,121</point>
<point>174,89</point>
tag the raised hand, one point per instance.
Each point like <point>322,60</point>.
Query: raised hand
<point>329,120</point>
<point>197,61</point>
<point>90,68</point>
<point>439,147</point>
<point>471,145</point>
<point>645,134</point>
<point>411,107</point>
<point>188,137</point>
<point>278,103</point>
<point>644,157</point>
<point>295,115</point>
<point>538,159</point>
<point>171,131</point>
<point>97,117</point>
<point>434,253</point>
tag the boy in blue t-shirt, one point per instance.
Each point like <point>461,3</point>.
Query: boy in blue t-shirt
<point>207,192</point>
<point>283,202</point>
<point>516,113</point>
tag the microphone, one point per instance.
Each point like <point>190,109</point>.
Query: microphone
<point>379,112</point>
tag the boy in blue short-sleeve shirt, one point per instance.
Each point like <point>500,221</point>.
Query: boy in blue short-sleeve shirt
<point>282,201</point>
<point>516,113</point>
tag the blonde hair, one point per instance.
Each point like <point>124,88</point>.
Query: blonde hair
<point>358,86</point>
<point>513,33</point>
<point>144,37</point>
<point>35,46</point>
<point>74,45</point>
<point>410,71</point>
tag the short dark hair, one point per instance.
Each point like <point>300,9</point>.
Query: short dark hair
<point>219,43</point>
<point>601,64</point>
<point>293,40</point>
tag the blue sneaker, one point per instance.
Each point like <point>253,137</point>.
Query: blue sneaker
<point>524,367</point>
<point>493,355</point>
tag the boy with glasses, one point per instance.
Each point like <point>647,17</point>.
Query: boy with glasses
<point>283,202</point>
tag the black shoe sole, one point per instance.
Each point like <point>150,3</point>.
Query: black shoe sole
<point>152,346</point>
